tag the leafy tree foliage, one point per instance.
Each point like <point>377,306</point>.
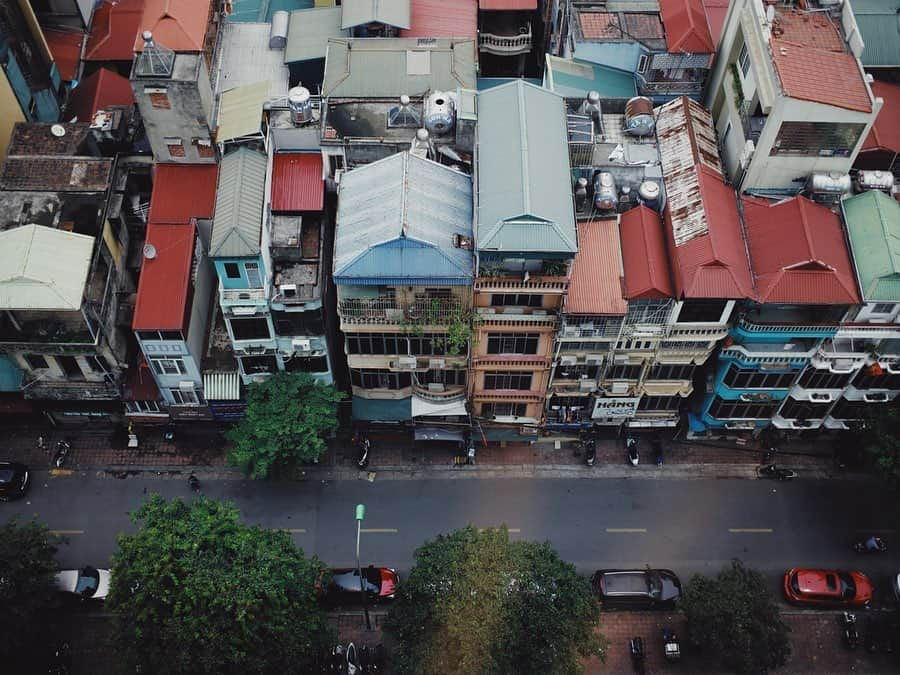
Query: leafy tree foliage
<point>195,591</point>
<point>475,602</point>
<point>882,441</point>
<point>287,416</point>
<point>27,570</point>
<point>734,619</point>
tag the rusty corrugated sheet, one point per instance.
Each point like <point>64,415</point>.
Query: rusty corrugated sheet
<point>442,18</point>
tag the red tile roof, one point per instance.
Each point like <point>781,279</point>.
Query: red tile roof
<point>686,27</point>
<point>297,183</point>
<point>600,25</point>
<point>179,25</point>
<point>163,289</point>
<point>442,18</point>
<point>490,5</point>
<point>715,17</point>
<point>113,30</point>
<point>182,192</point>
<point>644,255</point>
<point>65,45</point>
<point>596,283</point>
<point>808,29</point>
<point>885,133</point>
<point>798,253</point>
<point>713,265</point>
<point>100,89</point>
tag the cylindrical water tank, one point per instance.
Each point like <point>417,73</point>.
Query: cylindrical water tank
<point>300,103</point>
<point>581,194</point>
<point>605,197</point>
<point>648,191</point>
<point>639,116</point>
<point>440,113</point>
<point>279,29</point>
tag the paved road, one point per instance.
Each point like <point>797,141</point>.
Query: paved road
<point>687,525</point>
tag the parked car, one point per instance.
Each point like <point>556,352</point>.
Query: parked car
<point>827,587</point>
<point>14,480</point>
<point>343,585</point>
<point>86,583</point>
<point>637,589</point>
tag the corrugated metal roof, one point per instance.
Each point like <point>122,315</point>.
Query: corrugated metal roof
<point>165,279</point>
<point>574,79</point>
<point>246,59</point>
<point>98,90</point>
<point>308,33</point>
<point>873,223</point>
<point>388,67</point>
<point>686,27</point>
<point>237,222</point>
<point>65,46</point>
<point>177,25</point>
<point>42,268</point>
<point>240,111</point>
<point>644,256</point>
<point>396,219</point>
<point>442,18</point>
<point>262,10</point>
<point>798,254</point>
<point>222,386</point>
<point>297,183</point>
<point>716,10</point>
<point>885,133</point>
<point>713,264</point>
<point>596,283</point>
<point>504,5</point>
<point>113,30</point>
<point>389,12</point>
<point>880,30</point>
<point>182,192</point>
<point>687,137</point>
<point>524,180</point>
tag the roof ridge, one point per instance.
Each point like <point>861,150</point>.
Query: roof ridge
<point>523,122</point>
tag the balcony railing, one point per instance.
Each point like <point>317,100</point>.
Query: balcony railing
<point>388,310</point>
<point>506,45</point>
<point>449,395</point>
<point>242,294</point>
<point>825,329</point>
<point>518,284</point>
<point>509,395</point>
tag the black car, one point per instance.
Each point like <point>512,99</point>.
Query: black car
<point>14,479</point>
<point>637,589</point>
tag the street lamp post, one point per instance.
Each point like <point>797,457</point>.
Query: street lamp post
<point>360,516</point>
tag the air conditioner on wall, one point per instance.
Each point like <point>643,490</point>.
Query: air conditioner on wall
<point>587,385</point>
<point>406,363</point>
<point>594,359</point>
<point>288,290</point>
<point>568,360</point>
<point>186,385</point>
<point>619,388</point>
<point>301,345</point>
<point>436,364</point>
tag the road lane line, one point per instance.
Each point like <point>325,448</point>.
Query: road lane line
<point>626,530</point>
<point>511,530</point>
<point>751,530</point>
<point>378,530</point>
<point>293,530</point>
<point>57,532</point>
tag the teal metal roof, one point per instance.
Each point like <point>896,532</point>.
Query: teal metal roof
<point>879,24</point>
<point>237,221</point>
<point>308,33</point>
<point>382,410</point>
<point>524,181</point>
<point>396,220</point>
<point>254,11</point>
<point>574,79</point>
<point>389,67</point>
<point>389,12</point>
<point>873,222</point>
<point>485,83</point>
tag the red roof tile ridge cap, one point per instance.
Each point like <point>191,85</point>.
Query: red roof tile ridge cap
<point>807,232</point>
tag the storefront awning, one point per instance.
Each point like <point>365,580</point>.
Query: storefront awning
<point>422,407</point>
<point>439,434</point>
<point>381,410</point>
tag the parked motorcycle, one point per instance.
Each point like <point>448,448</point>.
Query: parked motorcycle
<point>353,667</point>
<point>62,451</point>
<point>776,473</point>
<point>338,661</point>
<point>851,632</point>
<point>871,545</point>
<point>631,451</point>
<point>657,446</point>
<point>362,459</point>
<point>590,452</point>
<point>636,647</point>
<point>671,646</point>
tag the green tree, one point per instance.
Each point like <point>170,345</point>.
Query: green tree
<point>287,416</point>
<point>735,620</point>
<point>882,442</point>
<point>27,571</point>
<point>475,602</point>
<point>195,591</point>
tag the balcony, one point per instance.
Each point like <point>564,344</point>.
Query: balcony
<point>506,45</point>
<point>446,395</point>
<point>581,331</point>
<point>71,390</point>
<point>516,316</point>
<point>501,395</point>
<point>529,361</point>
<point>42,328</point>
<point>533,284</point>
<point>390,311</point>
<point>745,328</point>
<point>242,296</point>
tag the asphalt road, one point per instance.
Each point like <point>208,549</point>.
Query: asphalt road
<point>689,526</point>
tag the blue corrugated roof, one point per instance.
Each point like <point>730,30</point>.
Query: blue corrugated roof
<point>574,79</point>
<point>382,410</point>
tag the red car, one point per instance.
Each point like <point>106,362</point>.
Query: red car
<point>343,586</point>
<point>827,587</point>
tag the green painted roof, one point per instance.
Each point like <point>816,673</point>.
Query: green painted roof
<point>237,221</point>
<point>389,12</point>
<point>574,79</point>
<point>524,182</point>
<point>873,221</point>
<point>879,24</point>
<point>308,33</point>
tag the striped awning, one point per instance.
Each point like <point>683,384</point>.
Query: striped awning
<point>222,386</point>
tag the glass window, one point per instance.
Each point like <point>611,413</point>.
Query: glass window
<point>168,366</point>
<point>744,60</point>
<point>736,378</point>
<point>803,410</point>
<point>36,362</point>
<point>724,409</point>
<point>250,329</point>
<point>671,372</point>
<point>266,363</point>
<point>512,343</point>
<point>815,378</point>
<point>516,300</point>
<point>883,308</point>
<point>701,311</point>
<point>503,409</point>
<point>624,372</point>
<point>377,378</point>
<point>171,335</point>
<point>667,403</point>
<point>232,270</point>
<point>817,139</point>
<point>253,277</point>
<point>182,397</point>
<point>505,380</point>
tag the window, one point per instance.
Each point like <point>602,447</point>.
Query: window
<point>502,380</point>
<point>306,364</point>
<point>817,139</point>
<point>157,335</point>
<point>736,378</point>
<point>503,409</point>
<point>299,323</point>
<point>250,329</point>
<point>516,300</point>
<point>726,134</point>
<point>377,378</point>
<point>175,146</point>
<point>624,372</point>
<point>252,365</point>
<point>184,397</point>
<point>850,410</point>
<point>253,278</point>
<point>36,362</point>
<point>671,372</point>
<point>643,62</point>
<point>335,163</point>
<point>70,366</point>
<point>512,343</point>
<point>159,97</point>
<point>427,344</point>
<point>232,271</point>
<point>701,311</point>
<point>803,410</point>
<point>168,366</point>
<point>667,403</point>
<point>452,378</point>
<point>98,364</point>
<point>204,147</point>
<point>744,60</point>
<point>815,378</point>
<point>142,407</point>
<point>577,372</point>
<point>869,379</point>
<point>723,409</point>
<point>883,308</point>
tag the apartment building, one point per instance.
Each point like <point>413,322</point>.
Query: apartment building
<point>525,242</point>
<point>403,269</point>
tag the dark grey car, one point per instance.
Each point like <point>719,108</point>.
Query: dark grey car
<point>14,478</point>
<point>637,589</point>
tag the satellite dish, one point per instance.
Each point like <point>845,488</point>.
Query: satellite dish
<point>149,251</point>
<point>58,130</point>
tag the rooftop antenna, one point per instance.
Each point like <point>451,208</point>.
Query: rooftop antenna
<point>154,59</point>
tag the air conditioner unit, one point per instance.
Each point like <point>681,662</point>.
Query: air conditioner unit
<point>570,331</point>
<point>587,326</point>
<point>406,363</point>
<point>436,364</point>
<point>436,386</point>
<point>539,312</point>
<point>243,311</point>
<point>486,310</point>
<point>587,385</point>
<point>876,397</point>
<point>619,388</point>
<point>186,385</point>
<point>620,359</point>
<point>301,345</point>
<point>594,359</point>
<point>568,360</point>
<point>288,290</point>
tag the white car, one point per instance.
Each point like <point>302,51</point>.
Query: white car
<point>86,583</point>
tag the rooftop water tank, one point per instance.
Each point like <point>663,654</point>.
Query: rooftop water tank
<point>440,112</point>
<point>300,103</point>
<point>639,116</point>
<point>605,197</point>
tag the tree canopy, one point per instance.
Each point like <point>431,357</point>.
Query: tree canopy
<point>287,417</point>
<point>735,620</point>
<point>882,441</point>
<point>195,591</point>
<point>27,571</point>
<point>476,602</point>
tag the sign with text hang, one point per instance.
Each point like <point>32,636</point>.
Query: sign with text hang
<point>616,407</point>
